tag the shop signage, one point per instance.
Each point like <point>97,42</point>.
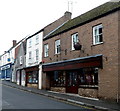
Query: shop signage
<point>5,67</point>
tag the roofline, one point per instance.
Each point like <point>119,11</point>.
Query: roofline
<point>35,33</point>
<point>90,20</point>
<point>14,46</point>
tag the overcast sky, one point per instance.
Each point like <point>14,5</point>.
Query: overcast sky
<point>19,18</point>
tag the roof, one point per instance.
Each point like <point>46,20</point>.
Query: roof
<point>91,15</point>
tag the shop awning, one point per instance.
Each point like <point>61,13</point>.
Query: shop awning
<point>83,62</point>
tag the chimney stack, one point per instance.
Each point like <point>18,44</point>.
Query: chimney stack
<point>14,43</point>
<point>68,15</point>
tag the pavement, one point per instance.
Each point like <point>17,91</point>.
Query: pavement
<point>70,98</point>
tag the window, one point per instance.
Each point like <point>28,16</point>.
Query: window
<point>30,55</point>
<point>37,54</point>
<point>46,50</point>
<point>57,47</point>
<point>75,39</point>
<point>32,77</point>
<point>88,76</point>
<point>97,34</point>
<point>30,42</point>
<point>58,79</point>
<point>21,60</point>
<point>37,39</point>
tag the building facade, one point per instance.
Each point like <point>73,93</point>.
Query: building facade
<point>33,59</point>
<point>82,56</point>
<point>7,62</point>
<point>19,75</point>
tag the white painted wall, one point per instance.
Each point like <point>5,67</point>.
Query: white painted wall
<point>33,62</point>
<point>32,48</point>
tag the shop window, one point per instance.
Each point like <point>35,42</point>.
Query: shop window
<point>88,76</point>
<point>58,79</point>
<point>33,77</point>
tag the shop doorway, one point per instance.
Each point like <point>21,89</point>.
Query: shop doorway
<point>72,82</point>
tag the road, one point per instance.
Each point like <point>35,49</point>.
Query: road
<point>13,98</point>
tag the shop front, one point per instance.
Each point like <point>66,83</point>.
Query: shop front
<point>6,72</point>
<point>20,77</point>
<point>74,76</point>
<point>32,76</point>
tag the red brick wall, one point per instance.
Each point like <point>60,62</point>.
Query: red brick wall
<point>108,76</point>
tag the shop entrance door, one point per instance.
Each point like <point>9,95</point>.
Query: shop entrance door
<point>72,82</point>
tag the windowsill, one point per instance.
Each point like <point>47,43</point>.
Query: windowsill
<point>57,54</point>
<point>46,57</point>
<point>32,83</point>
<point>89,86</point>
<point>98,44</point>
<point>36,43</point>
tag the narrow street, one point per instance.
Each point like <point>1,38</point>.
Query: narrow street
<point>17,99</point>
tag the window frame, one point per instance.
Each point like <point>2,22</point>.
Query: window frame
<point>76,38</point>
<point>37,54</point>
<point>96,37</point>
<point>37,39</point>
<point>46,50</point>
<point>30,55</point>
<point>21,60</point>
<point>57,46</point>
<point>30,42</point>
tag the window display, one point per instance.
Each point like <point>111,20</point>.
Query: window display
<point>33,77</point>
<point>58,79</point>
<point>88,76</point>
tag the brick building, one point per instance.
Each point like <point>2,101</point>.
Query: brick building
<point>82,55</point>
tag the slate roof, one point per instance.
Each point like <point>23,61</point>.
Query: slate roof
<point>91,15</point>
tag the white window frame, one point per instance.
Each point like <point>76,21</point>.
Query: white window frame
<point>30,55</point>
<point>21,60</point>
<point>37,54</point>
<point>57,46</point>
<point>97,34</point>
<point>30,42</point>
<point>75,39</point>
<point>46,50</point>
<point>37,39</point>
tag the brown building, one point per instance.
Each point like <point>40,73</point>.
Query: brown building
<point>82,55</point>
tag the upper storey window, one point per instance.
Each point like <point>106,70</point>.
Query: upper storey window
<point>57,47</point>
<point>97,34</point>
<point>75,39</point>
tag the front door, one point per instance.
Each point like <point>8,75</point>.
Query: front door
<point>71,82</point>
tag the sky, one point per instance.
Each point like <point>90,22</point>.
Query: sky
<point>20,18</point>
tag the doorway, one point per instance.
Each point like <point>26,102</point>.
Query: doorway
<point>72,82</point>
